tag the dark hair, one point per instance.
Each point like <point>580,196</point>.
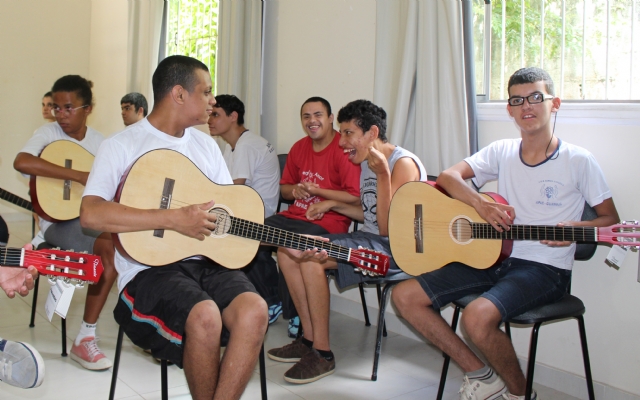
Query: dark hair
<point>531,75</point>
<point>230,103</point>
<point>175,70</point>
<point>48,94</point>
<point>317,99</point>
<point>137,100</point>
<point>365,114</point>
<point>77,84</point>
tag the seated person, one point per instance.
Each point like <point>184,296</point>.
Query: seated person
<point>316,170</point>
<point>20,364</point>
<point>134,108</point>
<point>178,310</point>
<point>385,167</point>
<point>252,161</point>
<point>47,107</point>
<point>536,273</point>
<point>72,104</point>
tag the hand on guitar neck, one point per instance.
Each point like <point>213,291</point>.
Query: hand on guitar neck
<point>17,280</point>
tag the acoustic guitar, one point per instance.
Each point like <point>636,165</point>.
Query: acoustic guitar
<point>59,200</point>
<point>428,230</point>
<point>166,179</point>
<point>75,268</point>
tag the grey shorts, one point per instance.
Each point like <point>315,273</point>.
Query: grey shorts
<point>346,274</point>
<point>514,286</point>
<point>69,235</point>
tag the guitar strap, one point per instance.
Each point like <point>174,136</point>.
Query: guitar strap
<point>4,233</point>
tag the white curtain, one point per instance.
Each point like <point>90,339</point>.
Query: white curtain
<point>239,56</point>
<point>145,25</point>
<point>419,79</point>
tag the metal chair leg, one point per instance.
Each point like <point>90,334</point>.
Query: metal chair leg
<point>64,336</point>
<point>384,326</point>
<point>116,364</point>
<point>585,357</point>
<point>447,359</point>
<point>383,306</point>
<point>263,373</point>
<point>34,302</point>
<point>163,379</point>
<point>364,305</point>
<point>531,364</point>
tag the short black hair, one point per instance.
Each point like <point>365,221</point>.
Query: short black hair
<point>531,75</point>
<point>365,114</point>
<point>137,100</point>
<point>230,103</point>
<point>317,99</point>
<point>77,84</point>
<point>48,94</point>
<point>175,70</point>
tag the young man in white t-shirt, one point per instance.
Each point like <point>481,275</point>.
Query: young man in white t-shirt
<point>252,161</point>
<point>178,310</point>
<point>546,182</point>
<point>72,103</point>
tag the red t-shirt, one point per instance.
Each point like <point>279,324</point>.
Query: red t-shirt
<point>330,169</point>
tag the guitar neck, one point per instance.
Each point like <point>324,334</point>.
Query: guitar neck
<point>537,232</point>
<point>281,238</point>
<point>10,257</point>
<point>13,199</point>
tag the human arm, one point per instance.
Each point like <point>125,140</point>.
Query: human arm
<point>36,166</point>
<point>239,181</point>
<point>313,189</point>
<point>317,210</point>
<point>18,280</point>
<point>107,216</point>
<point>452,180</point>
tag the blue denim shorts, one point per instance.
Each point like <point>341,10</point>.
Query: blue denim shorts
<point>513,286</point>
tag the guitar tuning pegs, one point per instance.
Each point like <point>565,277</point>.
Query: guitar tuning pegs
<point>52,279</point>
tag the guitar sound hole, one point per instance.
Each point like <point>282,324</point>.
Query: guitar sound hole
<point>460,230</point>
<point>223,222</point>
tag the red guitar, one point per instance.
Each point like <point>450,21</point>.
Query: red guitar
<point>74,267</point>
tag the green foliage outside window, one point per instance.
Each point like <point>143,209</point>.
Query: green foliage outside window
<point>192,30</point>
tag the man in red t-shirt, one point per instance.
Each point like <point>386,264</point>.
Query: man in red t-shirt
<point>317,169</point>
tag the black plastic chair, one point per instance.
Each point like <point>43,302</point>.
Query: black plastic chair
<point>63,321</point>
<point>567,307</point>
<point>163,371</point>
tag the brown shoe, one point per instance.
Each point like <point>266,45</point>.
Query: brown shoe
<point>311,367</point>
<point>292,352</point>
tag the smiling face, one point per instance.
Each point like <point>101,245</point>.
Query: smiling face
<point>73,122</point>
<point>355,142</point>
<point>315,120</point>
<point>532,118</point>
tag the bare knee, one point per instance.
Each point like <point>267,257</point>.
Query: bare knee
<point>204,318</point>
<point>480,318</point>
<point>247,315</point>
<point>409,295</point>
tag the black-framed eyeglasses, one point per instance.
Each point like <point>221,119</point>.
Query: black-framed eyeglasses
<point>533,98</point>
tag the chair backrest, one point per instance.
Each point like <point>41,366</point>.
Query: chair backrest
<point>282,159</point>
<point>584,251</point>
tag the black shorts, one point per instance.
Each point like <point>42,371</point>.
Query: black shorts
<point>154,306</point>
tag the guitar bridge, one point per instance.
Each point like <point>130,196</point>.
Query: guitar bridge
<point>165,201</point>
<point>417,229</point>
<point>66,189</point>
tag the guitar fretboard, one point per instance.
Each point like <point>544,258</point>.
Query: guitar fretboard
<point>536,232</point>
<point>280,237</point>
<point>13,199</point>
<point>10,257</point>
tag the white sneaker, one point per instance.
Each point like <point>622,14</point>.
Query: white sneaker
<point>509,396</point>
<point>20,365</point>
<point>479,390</point>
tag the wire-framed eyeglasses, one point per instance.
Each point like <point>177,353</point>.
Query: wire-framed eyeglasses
<point>66,110</point>
<point>533,98</point>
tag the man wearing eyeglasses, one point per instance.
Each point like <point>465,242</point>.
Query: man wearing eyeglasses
<point>546,182</point>
<point>72,104</point>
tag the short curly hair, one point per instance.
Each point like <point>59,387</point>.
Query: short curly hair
<point>365,114</point>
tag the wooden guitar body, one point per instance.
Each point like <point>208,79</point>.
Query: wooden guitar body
<point>427,231</point>
<point>58,200</point>
<point>142,187</point>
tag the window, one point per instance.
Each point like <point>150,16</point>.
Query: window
<point>589,47</point>
<point>192,30</point>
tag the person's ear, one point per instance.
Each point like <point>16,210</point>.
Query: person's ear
<point>556,104</point>
<point>178,94</point>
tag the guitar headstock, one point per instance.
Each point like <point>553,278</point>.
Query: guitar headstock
<point>72,267</point>
<point>370,262</point>
<point>625,234</point>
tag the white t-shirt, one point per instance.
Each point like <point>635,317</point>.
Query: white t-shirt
<point>545,194</point>
<point>120,151</point>
<point>52,132</point>
<point>255,160</point>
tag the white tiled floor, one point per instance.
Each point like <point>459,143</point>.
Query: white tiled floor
<point>408,369</point>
